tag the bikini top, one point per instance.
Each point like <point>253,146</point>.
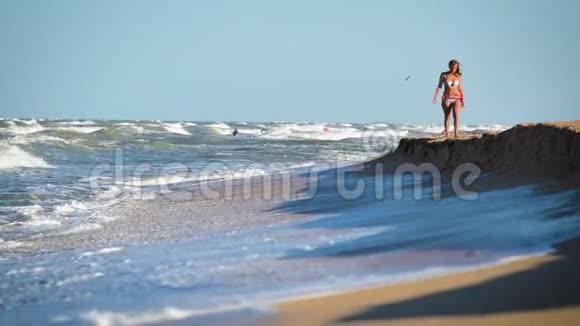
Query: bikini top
<point>452,83</point>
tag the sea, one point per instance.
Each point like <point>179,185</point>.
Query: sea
<point>90,232</point>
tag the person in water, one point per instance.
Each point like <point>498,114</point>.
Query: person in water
<point>453,99</point>
<point>236,132</point>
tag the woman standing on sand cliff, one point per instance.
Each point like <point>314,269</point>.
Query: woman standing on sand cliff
<point>452,95</point>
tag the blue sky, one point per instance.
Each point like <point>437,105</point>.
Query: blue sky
<point>342,61</point>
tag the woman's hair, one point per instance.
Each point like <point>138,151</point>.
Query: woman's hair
<point>452,62</point>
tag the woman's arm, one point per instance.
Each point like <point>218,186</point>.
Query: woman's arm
<point>439,86</point>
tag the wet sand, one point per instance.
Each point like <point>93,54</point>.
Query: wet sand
<point>541,290</point>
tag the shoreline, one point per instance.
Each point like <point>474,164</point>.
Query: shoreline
<point>538,290</point>
<point>444,153</point>
<point>315,235</point>
<point>542,290</point>
<point>283,310</point>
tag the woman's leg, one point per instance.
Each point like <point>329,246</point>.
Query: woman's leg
<point>456,109</point>
<point>447,113</point>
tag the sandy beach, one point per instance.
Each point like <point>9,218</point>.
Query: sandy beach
<point>541,290</point>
